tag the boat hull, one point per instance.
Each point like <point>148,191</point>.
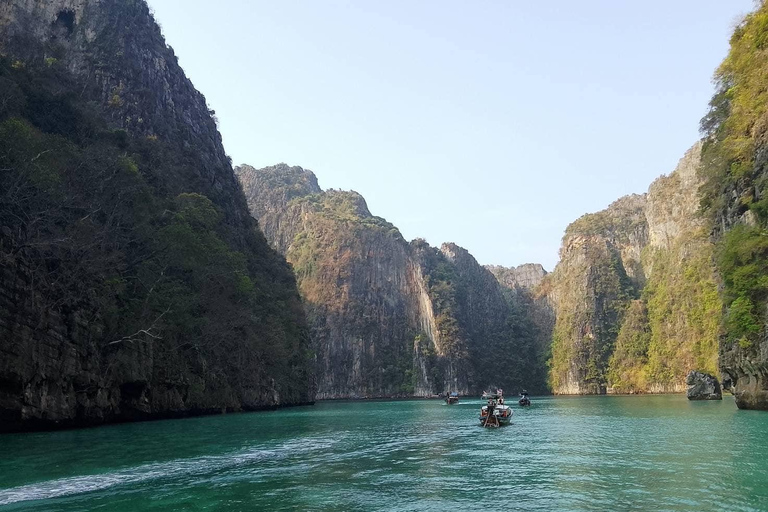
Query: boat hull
<point>502,415</point>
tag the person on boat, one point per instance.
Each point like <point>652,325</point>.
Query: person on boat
<point>501,401</point>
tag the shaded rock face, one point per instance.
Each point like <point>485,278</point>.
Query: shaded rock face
<point>388,317</point>
<point>526,289</point>
<point>650,252</point>
<point>489,326</point>
<point>57,369</point>
<point>119,54</point>
<point>702,386</point>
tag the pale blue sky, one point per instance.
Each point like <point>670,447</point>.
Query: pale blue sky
<point>491,124</point>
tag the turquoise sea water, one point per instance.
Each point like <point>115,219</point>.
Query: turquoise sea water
<point>589,453</point>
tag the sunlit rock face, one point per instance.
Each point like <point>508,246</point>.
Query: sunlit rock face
<point>388,317</point>
<point>652,249</point>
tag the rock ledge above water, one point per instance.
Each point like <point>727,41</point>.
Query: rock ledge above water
<point>703,386</point>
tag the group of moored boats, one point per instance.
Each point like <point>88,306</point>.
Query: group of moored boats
<point>495,413</point>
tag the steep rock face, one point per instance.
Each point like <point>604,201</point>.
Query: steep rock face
<point>483,315</point>
<point>624,227</point>
<point>590,290</point>
<point>369,311</point>
<point>118,53</point>
<point>598,274</point>
<point>681,291</point>
<point>735,173</point>
<point>526,289</point>
<point>526,276</point>
<point>659,242</point>
<point>388,317</point>
<point>116,317</point>
<point>673,202</point>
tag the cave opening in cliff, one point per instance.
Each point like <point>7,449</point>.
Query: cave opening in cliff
<point>65,21</point>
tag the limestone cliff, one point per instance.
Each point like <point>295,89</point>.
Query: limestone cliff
<point>526,289</point>
<point>388,317</point>
<point>133,282</point>
<point>681,291</point>
<point>598,274</point>
<point>527,276</point>
<point>735,200</point>
<point>701,238</point>
<point>635,292</point>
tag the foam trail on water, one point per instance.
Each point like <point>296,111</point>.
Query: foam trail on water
<point>170,469</point>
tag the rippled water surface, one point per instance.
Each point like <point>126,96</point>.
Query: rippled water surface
<point>592,453</point>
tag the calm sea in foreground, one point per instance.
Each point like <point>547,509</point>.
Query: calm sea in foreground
<point>590,453</point>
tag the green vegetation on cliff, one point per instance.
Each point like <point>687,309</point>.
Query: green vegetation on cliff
<point>683,312</point>
<point>659,242</point>
<point>735,197</point>
<point>591,289</point>
<point>736,178</point>
<point>742,258</point>
<point>675,327</point>
<point>594,293</point>
<point>630,355</point>
<point>110,228</point>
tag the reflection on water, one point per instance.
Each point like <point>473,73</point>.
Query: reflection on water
<point>588,453</point>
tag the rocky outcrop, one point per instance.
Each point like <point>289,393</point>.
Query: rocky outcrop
<point>703,386</point>
<point>388,317</point>
<point>147,290</point>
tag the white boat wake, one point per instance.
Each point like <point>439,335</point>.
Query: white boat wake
<point>154,471</point>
